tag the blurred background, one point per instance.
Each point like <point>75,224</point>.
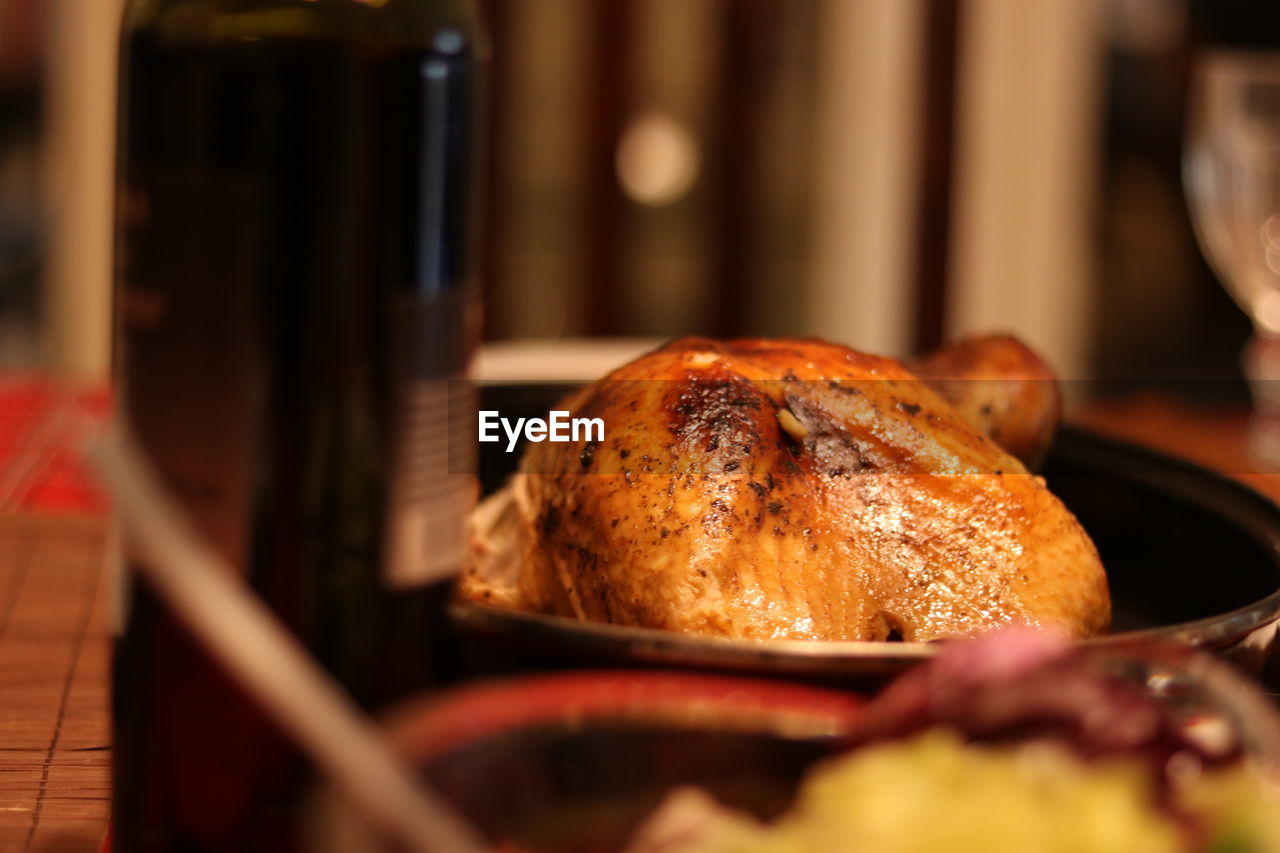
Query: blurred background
<point>886,173</point>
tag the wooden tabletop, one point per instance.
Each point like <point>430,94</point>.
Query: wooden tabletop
<point>55,637</point>
<point>1214,438</point>
<point>55,737</point>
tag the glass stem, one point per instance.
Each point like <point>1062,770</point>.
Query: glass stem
<point>1261,362</point>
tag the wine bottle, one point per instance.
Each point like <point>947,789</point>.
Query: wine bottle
<point>295,290</point>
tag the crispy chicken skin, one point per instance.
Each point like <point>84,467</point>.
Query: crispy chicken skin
<point>783,489</point>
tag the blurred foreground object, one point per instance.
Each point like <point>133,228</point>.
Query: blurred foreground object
<point>238,631</point>
<point>573,762</point>
<point>1018,741</point>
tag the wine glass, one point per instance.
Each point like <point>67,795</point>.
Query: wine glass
<point>1231,173</point>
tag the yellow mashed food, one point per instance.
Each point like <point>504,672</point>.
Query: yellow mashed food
<point>935,793</point>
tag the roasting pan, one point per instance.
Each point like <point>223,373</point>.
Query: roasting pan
<point>1191,556</point>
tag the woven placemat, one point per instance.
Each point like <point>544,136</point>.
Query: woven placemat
<point>55,760</point>
<point>55,775</point>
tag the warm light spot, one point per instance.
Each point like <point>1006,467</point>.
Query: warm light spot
<point>1267,312</point>
<point>449,41</point>
<point>657,160</point>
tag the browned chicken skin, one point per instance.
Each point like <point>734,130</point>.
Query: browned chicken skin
<point>783,489</point>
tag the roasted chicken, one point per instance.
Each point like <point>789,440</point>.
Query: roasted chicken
<point>795,489</point>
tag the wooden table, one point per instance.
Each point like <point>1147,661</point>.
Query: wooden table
<point>55,640</point>
<point>1213,438</point>
<point>55,735</point>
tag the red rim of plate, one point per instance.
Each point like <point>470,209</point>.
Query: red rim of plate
<point>429,727</point>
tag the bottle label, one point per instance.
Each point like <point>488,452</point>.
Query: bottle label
<point>428,501</point>
<point>431,484</point>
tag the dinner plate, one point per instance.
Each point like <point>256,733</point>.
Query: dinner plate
<point>574,762</point>
<point>1191,556</point>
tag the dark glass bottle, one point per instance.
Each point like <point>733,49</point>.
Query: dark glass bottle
<point>295,289</point>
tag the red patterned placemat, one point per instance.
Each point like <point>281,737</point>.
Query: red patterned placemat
<point>39,468</point>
